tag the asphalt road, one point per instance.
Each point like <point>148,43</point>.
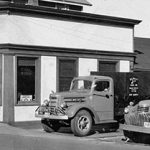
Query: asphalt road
<point>12,138</point>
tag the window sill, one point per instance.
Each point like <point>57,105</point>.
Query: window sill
<point>27,104</point>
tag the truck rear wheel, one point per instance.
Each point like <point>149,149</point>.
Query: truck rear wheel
<point>81,124</point>
<point>50,125</point>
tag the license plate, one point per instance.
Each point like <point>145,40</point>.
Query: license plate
<point>147,124</point>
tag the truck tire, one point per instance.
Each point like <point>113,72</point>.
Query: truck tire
<point>81,124</point>
<point>50,125</point>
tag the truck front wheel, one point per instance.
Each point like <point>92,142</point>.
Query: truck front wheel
<point>81,124</point>
<point>50,125</point>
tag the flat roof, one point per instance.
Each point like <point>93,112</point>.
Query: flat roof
<point>38,11</point>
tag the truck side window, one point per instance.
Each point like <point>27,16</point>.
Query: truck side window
<point>101,86</point>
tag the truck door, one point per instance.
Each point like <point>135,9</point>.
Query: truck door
<point>103,99</point>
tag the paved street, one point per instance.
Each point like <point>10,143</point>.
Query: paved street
<point>12,138</point>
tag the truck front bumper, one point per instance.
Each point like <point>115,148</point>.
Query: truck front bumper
<point>64,117</point>
<point>133,128</point>
<point>50,116</point>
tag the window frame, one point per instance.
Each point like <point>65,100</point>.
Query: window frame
<point>37,81</point>
<point>108,87</point>
<point>58,69</point>
<point>108,62</point>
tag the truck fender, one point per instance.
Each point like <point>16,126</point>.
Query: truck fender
<point>75,108</point>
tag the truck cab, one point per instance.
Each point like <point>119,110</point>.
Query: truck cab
<point>89,101</point>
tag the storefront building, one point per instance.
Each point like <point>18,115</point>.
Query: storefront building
<point>45,43</point>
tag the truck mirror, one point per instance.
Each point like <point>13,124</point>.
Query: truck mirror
<point>93,86</point>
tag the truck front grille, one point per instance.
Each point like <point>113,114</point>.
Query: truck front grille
<point>142,109</point>
<point>137,118</point>
<point>52,109</point>
<point>53,102</point>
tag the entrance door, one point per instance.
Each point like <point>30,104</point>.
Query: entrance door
<point>67,71</point>
<point>103,99</point>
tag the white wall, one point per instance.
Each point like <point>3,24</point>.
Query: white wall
<point>4,34</point>
<point>1,113</point>
<point>124,66</point>
<point>50,32</point>
<point>48,76</point>
<point>86,66</point>
<point>25,113</point>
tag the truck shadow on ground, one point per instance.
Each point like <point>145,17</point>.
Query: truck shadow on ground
<point>102,129</point>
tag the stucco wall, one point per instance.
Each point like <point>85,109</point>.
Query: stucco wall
<point>86,66</point>
<point>25,113</point>
<point>1,113</point>
<point>124,66</point>
<point>60,33</point>
<point>48,76</point>
<point>4,34</point>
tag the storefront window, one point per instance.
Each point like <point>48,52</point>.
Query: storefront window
<point>26,80</point>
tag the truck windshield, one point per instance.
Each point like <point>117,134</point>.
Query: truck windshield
<point>81,85</point>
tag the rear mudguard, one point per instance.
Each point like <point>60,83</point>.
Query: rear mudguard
<point>72,111</point>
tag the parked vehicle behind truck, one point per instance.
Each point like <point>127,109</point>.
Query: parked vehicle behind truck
<point>90,101</point>
<point>137,122</point>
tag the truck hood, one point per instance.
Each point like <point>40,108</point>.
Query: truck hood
<point>144,103</point>
<point>72,94</point>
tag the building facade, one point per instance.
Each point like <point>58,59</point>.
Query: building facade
<point>45,43</point>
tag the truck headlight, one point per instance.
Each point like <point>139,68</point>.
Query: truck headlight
<point>45,103</point>
<point>63,105</point>
<point>126,110</point>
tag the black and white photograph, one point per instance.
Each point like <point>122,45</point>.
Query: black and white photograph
<point>74,75</point>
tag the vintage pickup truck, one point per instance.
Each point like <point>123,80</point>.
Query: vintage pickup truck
<point>137,122</point>
<point>89,101</point>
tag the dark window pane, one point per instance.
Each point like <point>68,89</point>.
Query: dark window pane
<point>101,86</point>
<point>67,71</point>
<point>107,66</point>
<point>25,80</point>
